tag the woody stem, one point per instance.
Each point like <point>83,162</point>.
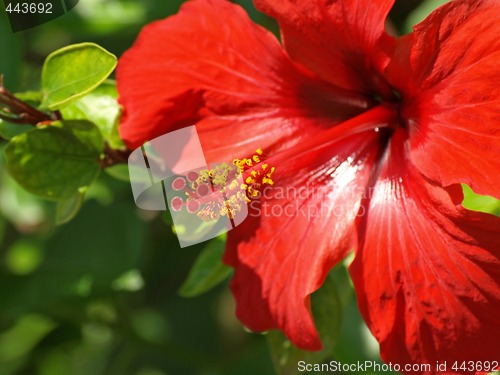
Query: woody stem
<point>16,111</point>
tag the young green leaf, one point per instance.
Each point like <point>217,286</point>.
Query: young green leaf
<point>54,162</point>
<point>327,310</point>
<point>101,108</point>
<point>33,98</point>
<point>208,270</point>
<point>74,71</point>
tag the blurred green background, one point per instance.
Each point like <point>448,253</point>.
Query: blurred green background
<point>100,295</point>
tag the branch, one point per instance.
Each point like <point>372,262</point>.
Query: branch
<point>112,156</point>
<point>16,111</point>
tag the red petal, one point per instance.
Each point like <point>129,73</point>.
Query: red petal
<point>305,224</point>
<point>453,96</point>
<point>342,41</point>
<point>211,63</point>
<point>428,271</point>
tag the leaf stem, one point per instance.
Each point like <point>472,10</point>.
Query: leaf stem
<point>16,111</point>
<point>112,156</point>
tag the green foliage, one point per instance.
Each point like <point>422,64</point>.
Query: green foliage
<point>119,171</point>
<point>31,97</point>
<point>208,270</point>
<point>18,341</point>
<point>101,108</point>
<point>421,12</point>
<point>75,262</point>
<point>353,333</point>
<point>11,60</point>
<point>482,203</point>
<point>74,71</point>
<point>56,161</point>
<point>9,130</point>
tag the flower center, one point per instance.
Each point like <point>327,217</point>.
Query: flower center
<point>393,99</point>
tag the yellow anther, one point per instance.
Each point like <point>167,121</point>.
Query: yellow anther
<point>255,176</point>
<point>253,193</point>
<point>268,181</point>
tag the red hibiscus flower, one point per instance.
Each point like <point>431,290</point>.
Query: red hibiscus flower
<point>371,137</point>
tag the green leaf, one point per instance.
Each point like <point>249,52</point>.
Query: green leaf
<point>119,172</point>
<point>55,161</point>
<point>67,209</point>
<point>481,203</point>
<point>9,130</point>
<point>11,63</point>
<point>24,336</point>
<point>327,311</point>
<point>101,108</point>
<point>208,270</point>
<point>33,98</point>
<point>74,71</point>
<point>421,12</point>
